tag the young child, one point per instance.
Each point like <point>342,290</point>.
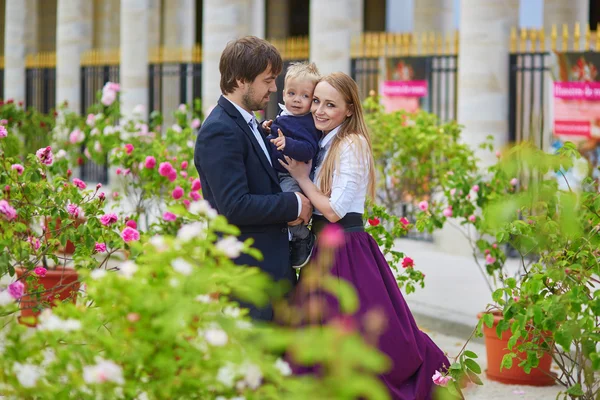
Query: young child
<point>293,134</point>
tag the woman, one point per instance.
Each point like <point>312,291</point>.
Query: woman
<point>342,181</point>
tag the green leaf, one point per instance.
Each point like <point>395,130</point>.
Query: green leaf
<point>575,390</point>
<point>507,361</point>
<point>473,366</point>
<point>488,320</point>
<point>470,354</point>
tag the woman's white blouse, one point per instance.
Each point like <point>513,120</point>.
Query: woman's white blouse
<point>351,178</point>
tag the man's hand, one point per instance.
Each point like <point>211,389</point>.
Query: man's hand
<point>307,209</point>
<point>279,141</point>
<point>266,125</point>
<point>295,222</point>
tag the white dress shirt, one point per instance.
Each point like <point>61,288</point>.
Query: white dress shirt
<point>253,124</point>
<point>350,178</point>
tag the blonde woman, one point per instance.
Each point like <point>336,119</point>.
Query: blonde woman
<point>343,178</point>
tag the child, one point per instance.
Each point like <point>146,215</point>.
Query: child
<point>293,133</point>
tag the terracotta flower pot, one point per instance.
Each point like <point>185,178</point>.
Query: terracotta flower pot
<point>59,284</point>
<point>496,348</point>
<point>69,246</point>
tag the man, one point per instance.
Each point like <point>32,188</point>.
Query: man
<point>231,156</point>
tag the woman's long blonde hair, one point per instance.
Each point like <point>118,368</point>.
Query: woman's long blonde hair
<point>354,125</point>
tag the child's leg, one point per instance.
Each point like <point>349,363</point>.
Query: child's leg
<point>289,184</point>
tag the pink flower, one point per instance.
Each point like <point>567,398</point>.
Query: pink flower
<point>183,173</point>
<point>131,223</point>
<point>40,271</point>
<point>489,259</point>
<point>129,148</point>
<point>173,175</point>
<point>114,86</point>
<point>404,222</point>
<point>118,171</point>
<point>115,195</point>
<point>18,167</point>
<point>195,123</point>
<point>3,132</point>
<point>498,154</point>
<point>495,246</point>
<point>45,155</point>
<point>3,122</point>
<point>169,216</point>
<point>74,210</point>
<point>186,203</point>
<point>150,162</point>
<point>98,185</point>
<point>332,236</point>
<point>475,188</point>
<point>196,185</point>
<point>408,262</point>
<point>101,195</point>
<point>452,191</point>
<point>440,380</point>
<point>447,212</point>
<point>165,169</point>
<point>6,210</point>
<point>177,193</point>
<point>35,242</point>
<point>76,136</point>
<point>108,219</point>
<point>424,205</point>
<point>126,172</point>
<point>195,196</point>
<point>79,183</point>
<point>472,218</point>
<point>184,165</point>
<point>100,247</point>
<point>16,290</point>
<point>130,234</point>
<point>514,182</point>
<point>90,120</point>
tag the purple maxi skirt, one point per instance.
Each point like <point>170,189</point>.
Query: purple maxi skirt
<point>415,357</point>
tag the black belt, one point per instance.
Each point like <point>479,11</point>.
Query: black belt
<point>352,222</point>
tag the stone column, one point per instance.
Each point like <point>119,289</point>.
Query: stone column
<point>434,16</point>
<point>179,23</point>
<point>222,21</point>
<point>259,18</point>
<point>73,37</point>
<point>154,23</point>
<point>106,24</point>
<point>46,25</point>
<point>332,25</point>
<point>18,16</point>
<point>278,17</point>
<point>134,55</point>
<point>559,12</point>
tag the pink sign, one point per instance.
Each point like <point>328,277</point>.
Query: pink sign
<point>404,88</point>
<point>577,90</point>
<point>572,128</point>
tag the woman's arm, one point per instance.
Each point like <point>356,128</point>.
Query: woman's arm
<point>318,199</point>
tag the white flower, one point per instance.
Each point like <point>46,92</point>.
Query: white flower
<point>27,374</point>
<point>203,298</point>
<point>50,322</point>
<point>49,357</point>
<point>158,241</point>
<point>216,336</point>
<point>127,269</point>
<point>103,371</point>
<point>97,147</point>
<point>176,128</point>
<point>202,207</point>
<point>244,325</point>
<point>139,110</point>
<point>226,374</point>
<point>238,398</point>
<point>230,246</point>
<point>142,396</point>
<point>252,375</point>
<point>174,282</point>
<point>94,132</point>
<point>283,367</point>
<point>60,154</point>
<point>182,266</point>
<point>6,298</point>
<point>190,144</point>
<point>233,312</point>
<point>98,274</point>
<point>109,130</point>
<point>191,231</point>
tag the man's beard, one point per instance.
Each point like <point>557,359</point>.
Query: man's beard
<point>251,104</point>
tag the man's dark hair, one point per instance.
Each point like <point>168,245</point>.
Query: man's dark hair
<point>246,58</point>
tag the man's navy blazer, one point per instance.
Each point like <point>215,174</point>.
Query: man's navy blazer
<point>240,183</point>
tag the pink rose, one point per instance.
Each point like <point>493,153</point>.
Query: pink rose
<point>108,97</point>
<point>150,162</point>
<point>173,175</point>
<point>3,122</point>
<point>452,191</point>
<point>6,210</point>
<point>404,222</point>
<point>184,165</point>
<point>498,154</point>
<point>131,223</point>
<point>101,195</point>
<point>35,242</point>
<point>196,185</point>
<point>195,196</point>
<point>332,236</point>
<point>118,171</point>
<point>177,193</point>
<point>408,262</point>
<point>3,132</point>
<point>40,271</point>
<point>74,210</point>
<point>472,218</point>
<point>90,120</point>
<point>76,136</point>
<point>514,181</point>
<point>169,216</point>
<point>108,219</point>
<point>114,86</point>
<point>475,188</point>
<point>495,246</point>
<point>79,183</point>
<point>186,203</point>
<point>16,290</point>
<point>98,185</point>
<point>424,205</point>
<point>126,172</point>
<point>130,234</point>
<point>195,123</point>
<point>447,212</point>
<point>183,173</point>
<point>165,169</point>
<point>45,155</point>
<point>18,167</point>
<point>489,259</point>
<point>100,247</point>
<point>440,380</point>
<point>129,148</point>
<point>115,195</point>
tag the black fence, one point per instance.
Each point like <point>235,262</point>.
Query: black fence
<point>40,88</point>
<point>1,82</point>
<point>529,77</point>
<point>171,84</point>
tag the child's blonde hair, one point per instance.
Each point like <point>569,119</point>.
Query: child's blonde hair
<point>303,70</point>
